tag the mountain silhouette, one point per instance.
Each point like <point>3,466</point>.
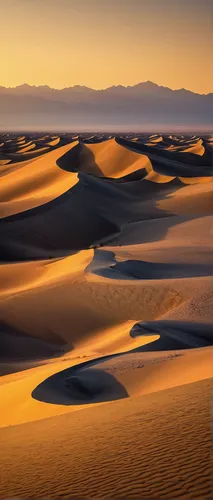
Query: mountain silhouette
<point>145,106</point>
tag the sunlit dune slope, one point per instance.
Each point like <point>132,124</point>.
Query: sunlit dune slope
<point>134,448</point>
<point>27,187</point>
<point>109,159</point>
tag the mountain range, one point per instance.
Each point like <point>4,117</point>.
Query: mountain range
<point>145,106</point>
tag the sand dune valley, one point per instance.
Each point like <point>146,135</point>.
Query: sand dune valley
<point>106,308</point>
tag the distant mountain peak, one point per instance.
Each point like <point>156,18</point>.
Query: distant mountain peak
<point>146,85</point>
<point>23,86</point>
<point>78,88</point>
<point>26,86</point>
<point>140,106</point>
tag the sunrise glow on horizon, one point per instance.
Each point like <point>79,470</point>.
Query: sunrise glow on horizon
<point>99,44</point>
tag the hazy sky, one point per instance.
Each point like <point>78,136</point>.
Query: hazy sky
<point>100,43</point>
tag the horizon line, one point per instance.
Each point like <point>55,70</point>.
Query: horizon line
<point>102,89</point>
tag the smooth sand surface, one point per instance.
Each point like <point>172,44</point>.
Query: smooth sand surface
<point>106,310</point>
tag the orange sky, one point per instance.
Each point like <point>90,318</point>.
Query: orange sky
<point>101,43</point>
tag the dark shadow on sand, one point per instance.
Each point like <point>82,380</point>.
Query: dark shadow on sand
<point>173,334</point>
<point>144,270</point>
<point>72,160</point>
<point>73,386</point>
<point>89,214</point>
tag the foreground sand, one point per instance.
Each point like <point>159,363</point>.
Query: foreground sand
<point>106,306</point>
<point>155,446</point>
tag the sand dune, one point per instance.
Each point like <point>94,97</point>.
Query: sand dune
<point>136,373</point>
<point>109,159</point>
<point>106,315</point>
<point>25,188</point>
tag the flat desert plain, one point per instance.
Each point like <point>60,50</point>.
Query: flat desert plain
<point>106,306</point>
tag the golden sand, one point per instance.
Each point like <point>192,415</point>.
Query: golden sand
<point>106,304</point>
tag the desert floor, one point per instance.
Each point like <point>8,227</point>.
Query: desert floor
<point>106,309</point>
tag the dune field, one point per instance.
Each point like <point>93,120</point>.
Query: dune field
<point>106,314</point>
